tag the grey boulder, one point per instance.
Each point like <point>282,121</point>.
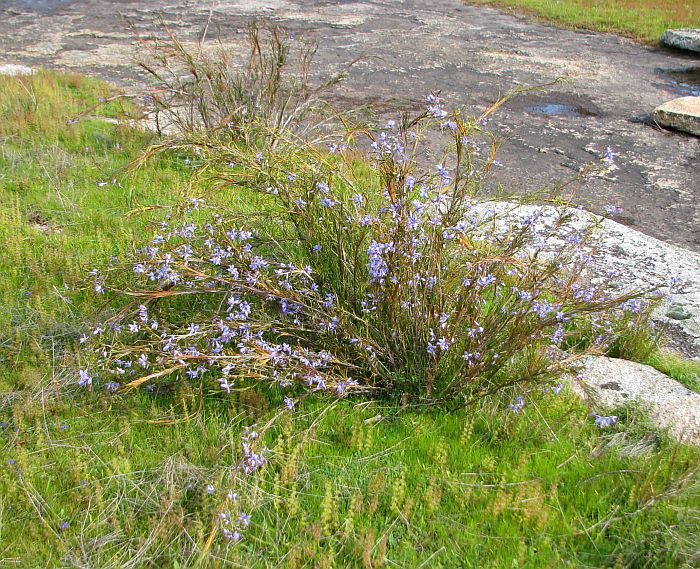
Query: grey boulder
<point>688,39</point>
<point>609,383</point>
<point>680,114</point>
<point>14,70</point>
<point>639,262</point>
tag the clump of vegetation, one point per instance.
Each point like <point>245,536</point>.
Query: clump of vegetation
<point>202,88</point>
<point>348,267</point>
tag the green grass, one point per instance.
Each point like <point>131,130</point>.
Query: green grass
<point>356,485</point>
<point>645,20</point>
<point>480,489</point>
<point>64,206</point>
<point>684,371</point>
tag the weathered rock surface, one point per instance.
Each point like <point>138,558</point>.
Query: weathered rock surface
<point>688,39</point>
<point>636,261</point>
<point>13,69</point>
<point>471,53</point>
<point>680,114</point>
<point>609,383</point>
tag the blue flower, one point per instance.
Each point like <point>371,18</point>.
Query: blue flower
<point>605,421</point>
<point>485,280</point>
<point>257,263</point>
<point>85,378</point>
<point>443,172</point>
<point>449,124</point>
<point>518,405</point>
<point>231,535</point>
<point>443,344</point>
<point>224,384</point>
<point>378,268</point>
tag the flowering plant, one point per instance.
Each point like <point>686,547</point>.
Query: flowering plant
<point>368,264</point>
<point>355,267</point>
